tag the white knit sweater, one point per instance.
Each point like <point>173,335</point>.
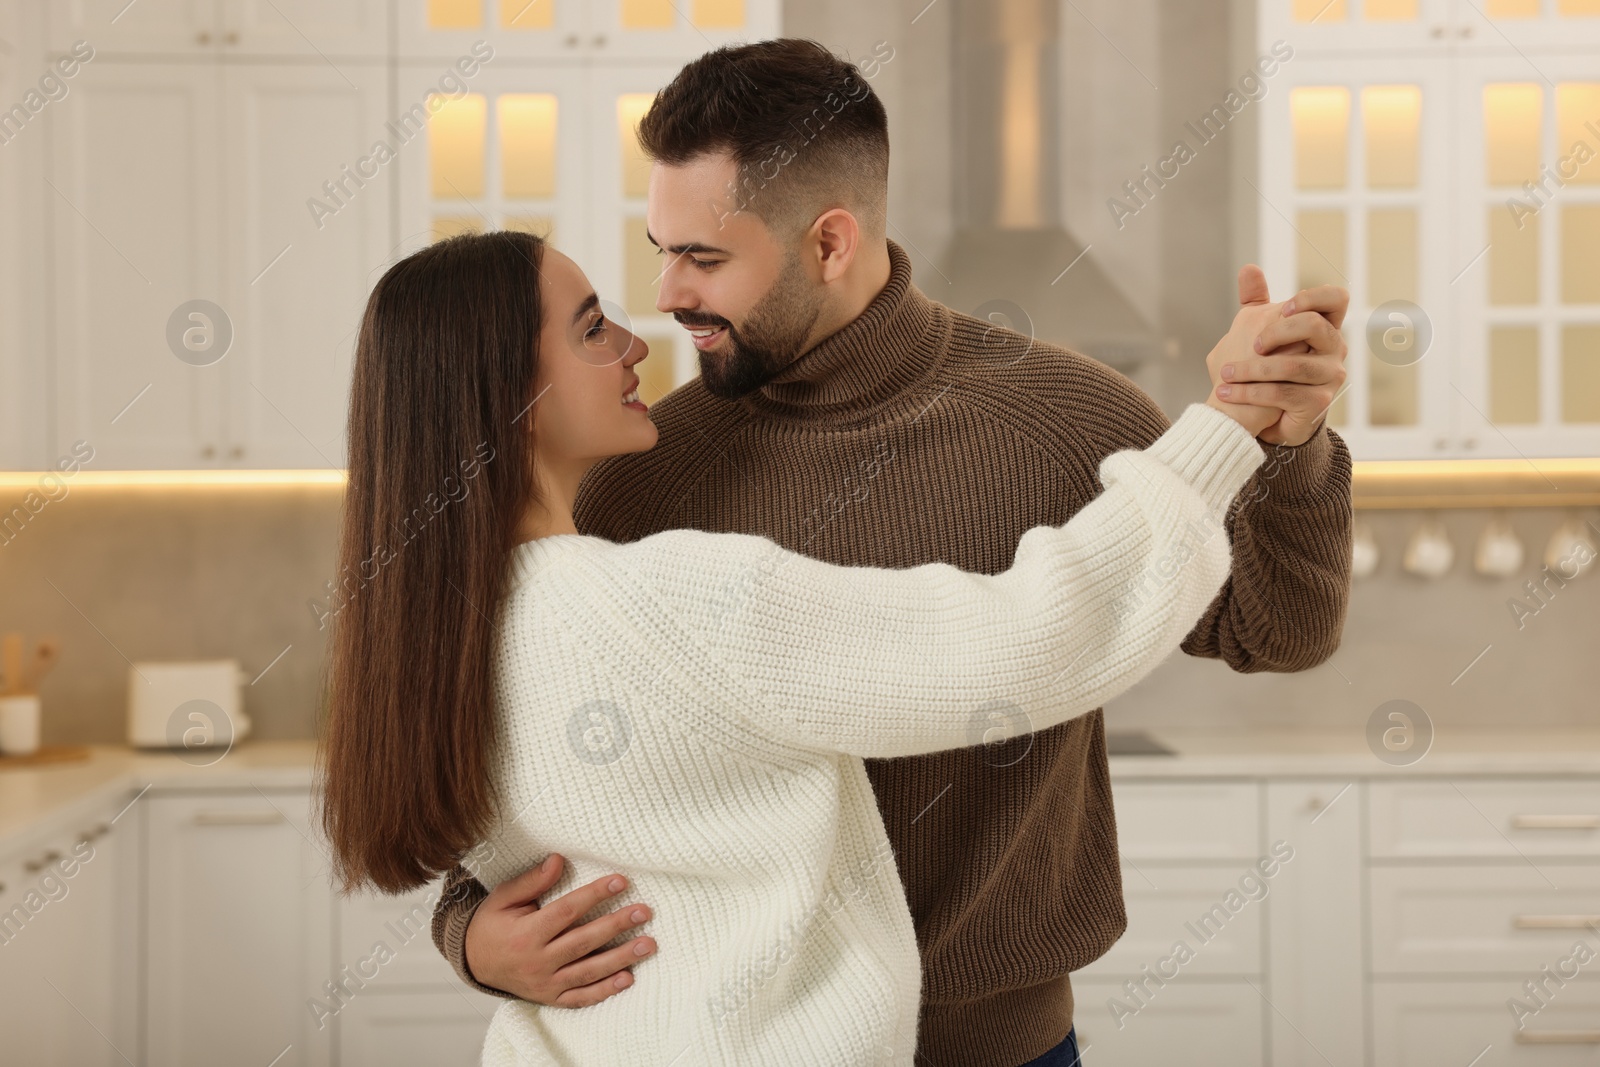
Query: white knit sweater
<point>691,709</point>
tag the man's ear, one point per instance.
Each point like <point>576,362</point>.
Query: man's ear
<point>838,239</point>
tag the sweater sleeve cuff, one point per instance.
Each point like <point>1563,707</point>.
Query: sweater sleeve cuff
<point>1211,452</point>
<point>1300,471</point>
<point>450,931</point>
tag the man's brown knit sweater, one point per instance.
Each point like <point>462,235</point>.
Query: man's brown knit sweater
<point>917,434</point>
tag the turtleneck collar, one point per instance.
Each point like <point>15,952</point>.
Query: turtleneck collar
<point>868,364</point>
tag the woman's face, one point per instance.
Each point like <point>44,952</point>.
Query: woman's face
<point>587,407</point>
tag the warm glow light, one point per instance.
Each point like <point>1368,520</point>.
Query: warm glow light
<point>1511,125</point>
<point>1321,118</point>
<point>165,479</point>
<point>527,124</point>
<point>456,131</point>
<point>635,164</point>
<point>1392,115</point>
<point>1019,140</point>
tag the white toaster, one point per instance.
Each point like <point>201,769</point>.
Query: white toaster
<point>186,705</point>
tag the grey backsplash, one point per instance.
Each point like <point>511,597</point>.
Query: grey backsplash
<point>188,573</point>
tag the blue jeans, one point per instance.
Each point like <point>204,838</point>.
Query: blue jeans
<point>1063,1055</point>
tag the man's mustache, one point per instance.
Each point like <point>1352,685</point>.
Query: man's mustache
<point>689,320</point>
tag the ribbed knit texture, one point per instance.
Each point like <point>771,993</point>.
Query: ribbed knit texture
<point>914,435</point>
<point>707,738</point>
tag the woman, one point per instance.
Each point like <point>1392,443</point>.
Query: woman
<point>692,708</point>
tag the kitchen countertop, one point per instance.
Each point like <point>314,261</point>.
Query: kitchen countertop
<point>33,800</point>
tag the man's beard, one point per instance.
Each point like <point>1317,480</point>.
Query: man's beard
<point>772,337</point>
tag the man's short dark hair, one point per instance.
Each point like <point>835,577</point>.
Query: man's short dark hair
<point>803,127</point>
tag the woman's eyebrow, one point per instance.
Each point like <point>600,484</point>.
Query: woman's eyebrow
<point>590,301</point>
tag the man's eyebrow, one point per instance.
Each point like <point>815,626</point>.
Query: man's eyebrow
<point>589,302</point>
<point>688,249</point>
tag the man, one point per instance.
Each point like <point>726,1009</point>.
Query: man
<point>843,414</point>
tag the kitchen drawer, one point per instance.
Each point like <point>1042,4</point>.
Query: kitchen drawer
<point>1475,819</point>
<point>1188,820</point>
<point>1188,904</point>
<point>1194,1023</point>
<point>1452,1024</point>
<point>1471,920</point>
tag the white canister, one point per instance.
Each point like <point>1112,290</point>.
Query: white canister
<point>19,724</point>
<point>187,705</point>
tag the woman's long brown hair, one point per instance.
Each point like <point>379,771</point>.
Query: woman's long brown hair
<point>440,474</point>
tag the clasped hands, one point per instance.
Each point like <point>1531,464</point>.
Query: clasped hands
<point>1279,367</point>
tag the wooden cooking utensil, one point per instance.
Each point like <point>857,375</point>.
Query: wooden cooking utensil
<point>11,658</point>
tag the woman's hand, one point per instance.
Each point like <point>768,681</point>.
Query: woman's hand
<point>537,953</point>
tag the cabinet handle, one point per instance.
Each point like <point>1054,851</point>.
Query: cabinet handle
<point>208,452</point>
<point>572,40</point>
<point>1555,822</point>
<point>203,37</point>
<point>98,831</point>
<point>1558,1037</point>
<point>1466,31</point>
<point>232,38</point>
<point>599,40</point>
<point>236,452</point>
<point>1437,31</point>
<point>237,818</point>
<point>1555,922</point>
<point>42,862</point>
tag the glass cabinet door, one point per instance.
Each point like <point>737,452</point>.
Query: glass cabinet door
<point>448,28</point>
<point>508,153</point>
<point>1358,26</point>
<point>1507,25</point>
<point>1529,172</point>
<point>587,29</point>
<point>1355,192</point>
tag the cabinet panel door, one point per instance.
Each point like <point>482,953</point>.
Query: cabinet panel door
<point>307,203</point>
<point>1451,1024</point>
<point>1314,926</point>
<point>1486,819</point>
<point>182,27</point>
<point>238,931</point>
<point>1204,909</point>
<point>444,1028</point>
<point>1356,26</point>
<point>516,29</point>
<point>310,29</point>
<point>1195,1023</point>
<point>133,189</point>
<point>1188,820</point>
<point>1463,920</point>
<point>64,946</point>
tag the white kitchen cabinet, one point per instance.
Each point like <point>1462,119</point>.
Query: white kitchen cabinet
<point>127,253</point>
<point>237,930</point>
<point>1397,140</point>
<point>314,29</point>
<point>1315,926</point>
<point>582,29</point>
<point>67,946</point>
<point>217,166</point>
<point>1451,1024</point>
<point>441,1029</point>
<point>301,259</point>
<point>1196,1023</point>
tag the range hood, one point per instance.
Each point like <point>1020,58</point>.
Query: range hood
<point>1010,253</point>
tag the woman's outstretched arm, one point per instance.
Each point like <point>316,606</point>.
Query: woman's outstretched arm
<point>881,662</point>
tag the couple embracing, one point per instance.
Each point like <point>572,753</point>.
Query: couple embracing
<point>713,688</point>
